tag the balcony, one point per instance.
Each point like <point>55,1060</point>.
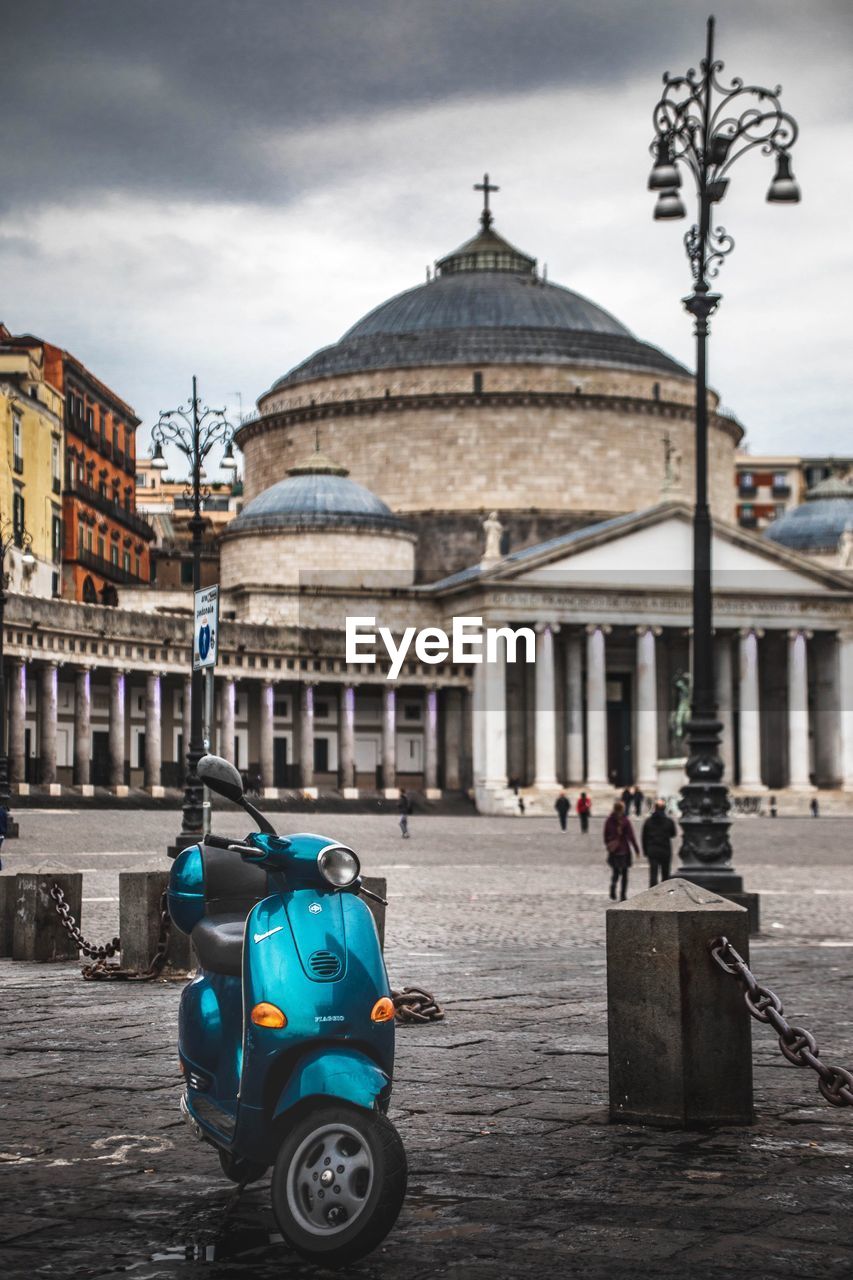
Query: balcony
<point>106,568</point>
<point>747,489</point>
<point>748,520</point>
<point>85,492</point>
<point>781,490</point>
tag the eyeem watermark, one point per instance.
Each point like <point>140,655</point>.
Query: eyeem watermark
<point>469,642</point>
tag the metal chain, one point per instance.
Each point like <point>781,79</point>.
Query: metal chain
<point>71,927</point>
<point>99,970</point>
<point>797,1044</point>
<point>412,1004</point>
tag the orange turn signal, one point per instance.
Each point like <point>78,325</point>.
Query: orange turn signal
<point>383,1010</point>
<point>267,1015</point>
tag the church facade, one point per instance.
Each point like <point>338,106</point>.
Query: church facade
<point>435,464</point>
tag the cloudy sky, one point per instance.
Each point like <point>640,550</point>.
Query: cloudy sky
<point>221,186</point>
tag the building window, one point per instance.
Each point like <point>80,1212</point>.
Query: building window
<point>101,547</point>
<point>281,708</point>
<point>412,711</point>
<point>114,554</point>
<point>478,383</point>
<point>55,465</point>
<point>18,519</point>
<point>138,568</point>
<point>186,573</point>
<point>127,562</point>
<point>17,446</point>
<point>81,537</point>
<point>56,538</point>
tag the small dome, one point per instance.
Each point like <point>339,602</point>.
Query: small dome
<point>316,493</point>
<point>816,526</point>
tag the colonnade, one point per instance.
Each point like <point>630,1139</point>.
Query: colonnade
<point>582,689</point>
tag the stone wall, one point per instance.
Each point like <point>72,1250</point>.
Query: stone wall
<point>480,453</point>
<point>334,558</point>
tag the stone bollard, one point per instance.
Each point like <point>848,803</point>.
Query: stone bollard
<point>7,913</point>
<point>37,932</point>
<point>680,1049</point>
<point>378,885</point>
<point>139,894</point>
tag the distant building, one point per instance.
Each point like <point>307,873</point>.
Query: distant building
<point>30,465</point>
<point>167,505</point>
<point>105,541</point>
<point>768,485</point>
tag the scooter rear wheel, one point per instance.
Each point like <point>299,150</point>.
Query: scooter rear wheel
<point>339,1183</point>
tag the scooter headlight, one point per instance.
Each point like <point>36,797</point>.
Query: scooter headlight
<point>338,865</point>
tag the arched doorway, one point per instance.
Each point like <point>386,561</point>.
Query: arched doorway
<point>90,595</point>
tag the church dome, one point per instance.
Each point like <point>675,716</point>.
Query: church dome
<point>816,526</point>
<point>485,304</point>
<point>317,493</point>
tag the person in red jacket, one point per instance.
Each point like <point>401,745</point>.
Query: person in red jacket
<point>619,841</point>
<point>584,808</point>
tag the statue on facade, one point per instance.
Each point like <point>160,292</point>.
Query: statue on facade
<point>493,530</point>
<point>681,712</point>
<point>845,547</point>
<point>671,466</point>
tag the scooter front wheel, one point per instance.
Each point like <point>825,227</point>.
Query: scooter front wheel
<point>339,1183</point>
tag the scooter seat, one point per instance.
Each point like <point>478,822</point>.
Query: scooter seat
<point>218,942</point>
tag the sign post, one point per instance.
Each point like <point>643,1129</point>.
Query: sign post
<point>205,648</point>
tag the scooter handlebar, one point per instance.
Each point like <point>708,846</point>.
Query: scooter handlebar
<point>228,842</point>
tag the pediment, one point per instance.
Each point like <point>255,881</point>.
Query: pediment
<point>654,550</point>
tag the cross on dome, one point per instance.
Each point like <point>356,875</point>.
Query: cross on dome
<point>485,186</point>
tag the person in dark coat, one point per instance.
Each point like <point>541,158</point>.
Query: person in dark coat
<point>562,805</point>
<point>584,808</point>
<point>638,801</point>
<point>619,841</point>
<point>404,808</point>
<point>659,831</point>
<point>628,798</point>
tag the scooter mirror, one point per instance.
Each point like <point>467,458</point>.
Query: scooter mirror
<point>221,776</point>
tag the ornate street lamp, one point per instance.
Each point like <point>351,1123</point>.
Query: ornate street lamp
<point>10,536</point>
<point>704,125</point>
<point>194,430</point>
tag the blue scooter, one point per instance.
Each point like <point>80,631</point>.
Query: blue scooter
<point>286,1033</point>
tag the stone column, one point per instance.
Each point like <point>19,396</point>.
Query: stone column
<point>47,723</point>
<point>723,695</point>
<point>389,737</point>
<point>845,692</point>
<point>306,734</point>
<point>546,711</point>
<point>186,717</point>
<point>493,719</point>
<point>265,749</point>
<point>798,712</point>
<point>153,744</point>
<point>116,730</point>
<point>596,706</point>
<point>83,728</point>
<point>574,709</point>
<point>228,693</point>
<point>346,738</point>
<point>750,723</point>
<point>452,744</point>
<point>647,708</point>
<point>431,744</point>
<point>17,720</point>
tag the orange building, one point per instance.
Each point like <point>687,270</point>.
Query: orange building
<point>105,542</point>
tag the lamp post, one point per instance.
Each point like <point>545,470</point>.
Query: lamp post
<point>704,126</point>
<point>11,534</point>
<point>194,429</point>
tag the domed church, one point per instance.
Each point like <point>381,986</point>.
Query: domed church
<point>490,387</point>
<point>449,458</point>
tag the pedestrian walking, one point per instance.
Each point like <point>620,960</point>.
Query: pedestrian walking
<point>657,836</point>
<point>4,828</point>
<point>584,809</point>
<point>814,809</point>
<point>404,808</point>
<point>562,805</point>
<point>774,811</point>
<point>627,798</point>
<point>638,801</point>
<point>521,805</point>
<point>620,842</point>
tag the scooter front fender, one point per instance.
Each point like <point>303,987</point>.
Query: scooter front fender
<point>335,1072</point>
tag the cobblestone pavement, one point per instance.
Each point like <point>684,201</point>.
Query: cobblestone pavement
<point>514,1168</point>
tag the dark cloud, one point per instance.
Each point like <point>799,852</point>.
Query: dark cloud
<point>179,97</point>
